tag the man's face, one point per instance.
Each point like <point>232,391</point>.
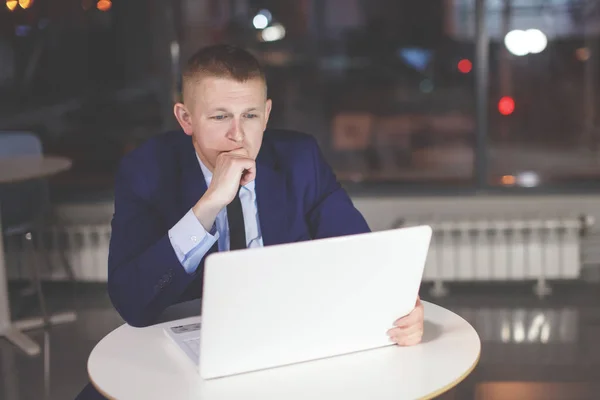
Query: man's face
<point>223,115</point>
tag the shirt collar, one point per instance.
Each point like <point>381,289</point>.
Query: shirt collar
<point>208,175</point>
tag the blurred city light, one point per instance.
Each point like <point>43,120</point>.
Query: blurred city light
<point>465,66</point>
<point>25,4</point>
<point>516,42</point>
<point>537,40</point>
<point>582,54</point>
<point>267,14</point>
<point>508,180</point>
<point>260,21</point>
<point>273,33</point>
<point>528,179</point>
<point>104,5</point>
<point>521,43</point>
<point>22,30</point>
<point>506,105</point>
<point>11,4</point>
<point>417,58</point>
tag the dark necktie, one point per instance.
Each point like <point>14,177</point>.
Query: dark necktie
<point>237,230</point>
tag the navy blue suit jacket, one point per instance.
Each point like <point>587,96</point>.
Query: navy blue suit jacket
<point>298,199</point>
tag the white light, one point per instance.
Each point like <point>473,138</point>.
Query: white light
<point>273,33</point>
<point>516,42</point>
<point>260,21</point>
<point>505,332</point>
<point>519,332</point>
<point>528,179</point>
<point>267,14</point>
<point>545,334</point>
<point>537,40</point>
<point>534,329</point>
<point>521,43</point>
<point>174,50</point>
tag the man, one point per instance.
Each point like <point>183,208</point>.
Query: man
<point>224,182</point>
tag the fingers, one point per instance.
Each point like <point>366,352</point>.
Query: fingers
<point>408,330</point>
<point>408,340</point>
<point>406,336</point>
<point>237,163</point>
<point>405,331</point>
<point>232,169</point>
<point>246,167</point>
<point>248,176</point>
<point>408,320</point>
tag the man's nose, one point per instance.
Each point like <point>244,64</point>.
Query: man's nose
<point>235,132</point>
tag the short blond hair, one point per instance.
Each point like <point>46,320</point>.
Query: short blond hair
<point>222,61</point>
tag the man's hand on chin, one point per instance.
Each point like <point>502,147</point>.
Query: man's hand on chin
<point>408,330</point>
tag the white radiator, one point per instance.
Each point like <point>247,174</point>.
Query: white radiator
<point>461,250</point>
<point>85,248</point>
<point>504,250</point>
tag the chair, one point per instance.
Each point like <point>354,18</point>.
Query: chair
<point>24,207</point>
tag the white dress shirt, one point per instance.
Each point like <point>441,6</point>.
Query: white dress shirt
<point>191,241</point>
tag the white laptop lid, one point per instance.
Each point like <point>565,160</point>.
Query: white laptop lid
<point>284,304</point>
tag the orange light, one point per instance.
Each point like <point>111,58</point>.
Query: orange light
<point>583,54</point>
<point>465,66</point>
<point>104,5</point>
<point>25,4</point>
<point>11,4</point>
<point>506,105</point>
<point>508,180</point>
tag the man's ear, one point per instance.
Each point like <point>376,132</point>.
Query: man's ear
<point>184,118</point>
<point>268,107</point>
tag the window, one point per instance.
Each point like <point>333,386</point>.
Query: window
<point>387,92</point>
<point>387,87</point>
<point>542,119</point>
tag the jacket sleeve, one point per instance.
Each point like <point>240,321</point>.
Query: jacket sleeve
<point>332,212</point>
<point>144,273</point>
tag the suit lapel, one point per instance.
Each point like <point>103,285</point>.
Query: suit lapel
<point>271,197</point>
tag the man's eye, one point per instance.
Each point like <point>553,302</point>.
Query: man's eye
<point>250,116</point>
<point>219,117</point>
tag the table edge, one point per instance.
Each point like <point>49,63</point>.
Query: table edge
<point>458,380</point>
<point>429,396</point>
<point>94,384</point>
<point>468,372</point>
<point>102,392</point>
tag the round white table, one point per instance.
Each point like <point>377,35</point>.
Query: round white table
<point>142,363</point>
<point>12,170</point>
<point>17,169</point>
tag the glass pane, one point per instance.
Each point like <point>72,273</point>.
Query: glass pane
<point>378,82</point>
<point>85,76</point>
<point>386,86</point>
<point>543,126</point>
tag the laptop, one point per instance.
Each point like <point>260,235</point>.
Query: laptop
<point>297,302</point>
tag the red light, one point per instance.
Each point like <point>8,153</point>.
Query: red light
<point>465,66</point>
<point>506,105</point>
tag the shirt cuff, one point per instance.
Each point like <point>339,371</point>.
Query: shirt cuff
<point>189,236</point>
